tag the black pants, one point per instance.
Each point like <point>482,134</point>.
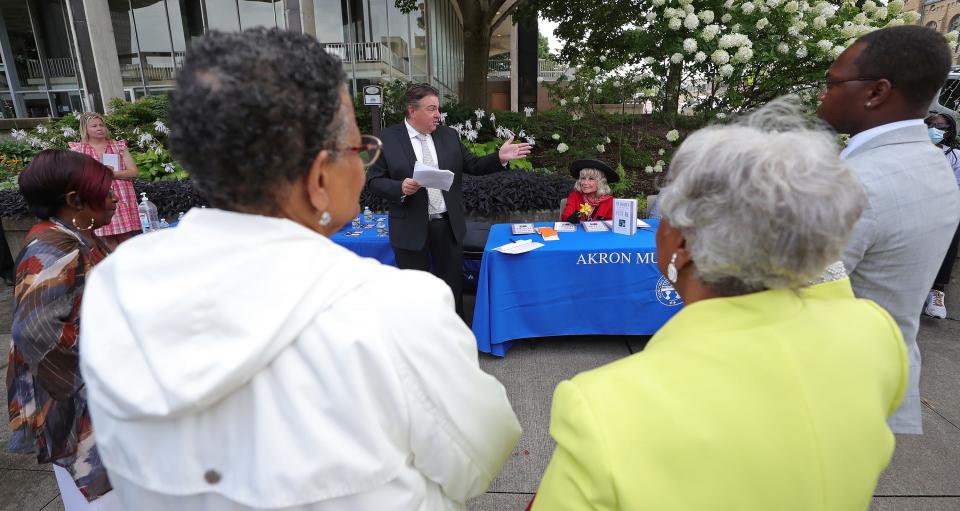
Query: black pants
<point>446,253</point>
<point>943,276</point>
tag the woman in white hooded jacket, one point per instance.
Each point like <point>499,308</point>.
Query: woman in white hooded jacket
<point>245,361</point>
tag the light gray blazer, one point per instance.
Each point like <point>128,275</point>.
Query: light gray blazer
<point>900,240</point>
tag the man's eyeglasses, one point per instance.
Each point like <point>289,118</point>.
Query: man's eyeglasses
<point>368,150</point>
<point>826,83</point>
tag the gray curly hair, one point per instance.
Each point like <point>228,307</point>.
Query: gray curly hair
<point>764,202</point>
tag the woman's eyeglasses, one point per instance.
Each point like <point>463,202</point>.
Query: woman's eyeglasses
<point>368,150</point>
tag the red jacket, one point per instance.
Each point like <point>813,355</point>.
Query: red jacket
<point>604,210</point>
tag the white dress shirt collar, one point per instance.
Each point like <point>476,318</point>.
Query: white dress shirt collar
<point>864,136</point>
<point>413,131</point>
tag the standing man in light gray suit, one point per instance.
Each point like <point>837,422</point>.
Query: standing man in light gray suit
<point>878,91</point>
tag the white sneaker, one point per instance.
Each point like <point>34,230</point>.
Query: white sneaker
<point>935,307</point>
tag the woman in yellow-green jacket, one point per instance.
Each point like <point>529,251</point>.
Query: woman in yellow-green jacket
<point>762,393</point>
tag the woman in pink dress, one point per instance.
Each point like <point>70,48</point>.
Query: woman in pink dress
<point>95,142</point>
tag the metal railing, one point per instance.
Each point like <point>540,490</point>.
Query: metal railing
<point>547,69</point>
<point>60,67</point>
<point>367,53</point>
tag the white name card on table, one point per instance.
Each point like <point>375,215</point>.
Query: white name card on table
<point>564,227</point>
<point>595,226</point>
<point>625,216</point>
<point>432,177</point>
<point>519,247</point>
<point>522,229</point>
<point>111,160</point>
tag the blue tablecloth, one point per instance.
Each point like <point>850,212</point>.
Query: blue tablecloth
<point>584,283</point>
<point>368,244</point>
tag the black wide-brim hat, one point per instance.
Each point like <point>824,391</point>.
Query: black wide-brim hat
<point>579,165</point>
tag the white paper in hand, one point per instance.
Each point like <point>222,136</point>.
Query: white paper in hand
<point>112,161</point>
<point>432,177</point>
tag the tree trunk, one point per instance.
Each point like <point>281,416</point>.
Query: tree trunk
<point>671,97</point>
<point>476,53</point>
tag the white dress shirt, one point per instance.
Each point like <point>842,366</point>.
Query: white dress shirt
<point>861,138</point>
<point>418,150</point>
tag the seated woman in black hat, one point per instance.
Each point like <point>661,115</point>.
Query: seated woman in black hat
<point>590,198</point>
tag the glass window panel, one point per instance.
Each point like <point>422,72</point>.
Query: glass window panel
<point>257,13</point>
<point>26,58</point>
<point>377,21</point>
<point>56,42</point>
<point>223,15</point>
<point>4,85</point>
<point>66,102</point>
<point>153,35</point>
<point>190,19</point>
<point>126,38</point>
<point>398,29</point>
<point>177,34</point>
<point>279,14</point>
<point>418,25</point>
<point>37,104</point>
<point>6,106</point>
<point>328,19</point>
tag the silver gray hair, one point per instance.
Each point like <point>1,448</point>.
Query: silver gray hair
<point>764,202</point>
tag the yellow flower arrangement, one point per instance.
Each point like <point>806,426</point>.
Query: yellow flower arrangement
<point>586,209</point>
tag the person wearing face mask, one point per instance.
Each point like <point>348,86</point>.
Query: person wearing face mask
<point>943,133</point>
<point>427,225</point>
<point>590,198</point>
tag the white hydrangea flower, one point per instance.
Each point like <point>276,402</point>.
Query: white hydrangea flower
<point>735,27</point>
<point>706,16</point>
<point>42,129</point>
<point>881,13</point>
<point>747,8</point>
<point>673,135</point>
<point>868,6</point>
<point>783,48</point>
<point>19,135</point>
<point>603,58</point>
<point>720,57</point>
<point>910,17</point>
<point>576,99</point>
<point>743,55</point>
<point>660,163</point>
<point>616,83</point>
<point>689,45</point>
<point>34,141</point>
<point>658,169</point>
<point>700,57</point>
<point>651,16</point>
<point>562,148</point>
<point>606,139</point>
<point>443,117</point>
<point>791,7</point>
<point>952,45</point>
<point>728,4</point>
<point>762,23</point>
<point>691,21</point>
<point>836,51</point>
<point>555,136</point>
<point>819,23</point>
<point>576,116</point>
<point>659,3</point>
<point>670,12</point>
<point>801,52</point>
<point>825,45</point>
<point>528,111</point>
<point>773,4</point>
<point>648,169</point>
<point>661,152</point>
<point>530,140</point>
<point>160,127</point>
<point>539,79</point>
<point>710,32</point>
<point>471,135</point>
<point>479,113</point>
<point>76,115</point>
<point>145,140</point>
<point>861,18</point>
<point>726,18</point>
<point>648,60</point>
<point>675,23</point>
<point>895,6</point>
<point>68,132</point>
<point>563,102</point>
<point>726,70</point>
<point>794,31</point>
<point>600,148</point>
<point>721,115</point>
<point>596,69</point>
<point>895,22</point>
<point>676,58</point>
<point>169,168</point>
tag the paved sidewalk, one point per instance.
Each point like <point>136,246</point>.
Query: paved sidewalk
<point>923,476</point>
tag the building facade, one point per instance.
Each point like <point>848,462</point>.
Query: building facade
<point>940,15</point>
<point>60,56</point>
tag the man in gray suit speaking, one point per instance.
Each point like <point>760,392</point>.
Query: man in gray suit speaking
<point>878,91</point>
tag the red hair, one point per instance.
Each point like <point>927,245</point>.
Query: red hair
<point>54,173</point>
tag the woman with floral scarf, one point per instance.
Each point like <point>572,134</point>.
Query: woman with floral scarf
<point>46,397</point>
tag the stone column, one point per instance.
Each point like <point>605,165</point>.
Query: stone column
<point>97,49</point>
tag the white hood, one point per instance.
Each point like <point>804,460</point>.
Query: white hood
<point>192,320</point>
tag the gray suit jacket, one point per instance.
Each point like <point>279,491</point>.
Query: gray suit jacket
<point>898,244</point>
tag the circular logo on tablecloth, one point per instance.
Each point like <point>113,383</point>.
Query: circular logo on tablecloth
<point>666,294</point>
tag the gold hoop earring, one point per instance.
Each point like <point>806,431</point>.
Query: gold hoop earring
<point>74,222</point>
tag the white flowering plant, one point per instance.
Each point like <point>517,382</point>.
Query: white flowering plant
<point>715,55</point>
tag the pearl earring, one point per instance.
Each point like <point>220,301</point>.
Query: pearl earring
<point>672,269</point>
<point>325,219</point>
